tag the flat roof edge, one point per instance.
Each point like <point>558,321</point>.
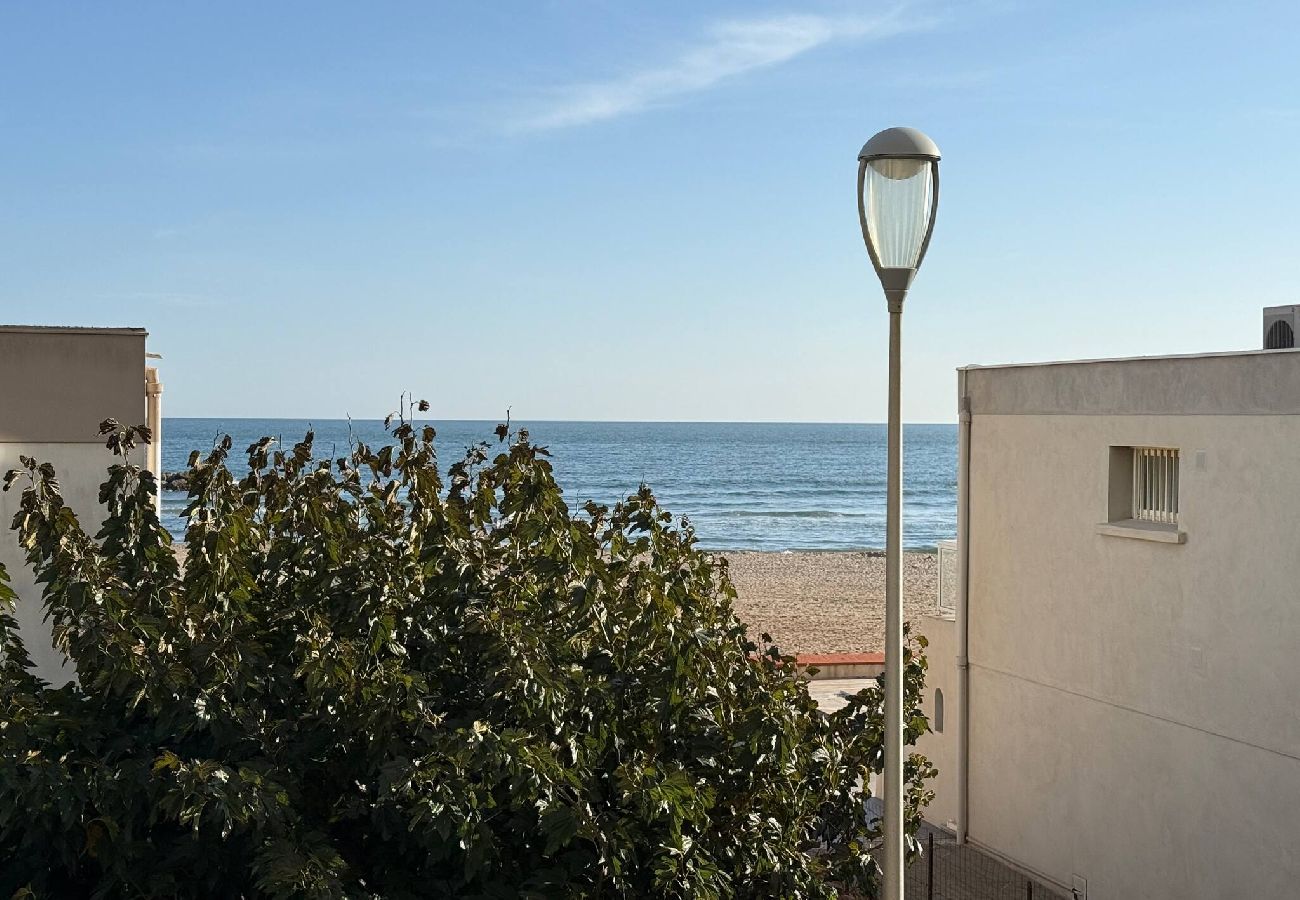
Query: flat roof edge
<point>68,329</point>
<point>976,367</point>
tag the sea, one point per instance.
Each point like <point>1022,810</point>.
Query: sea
<point>744,486</point>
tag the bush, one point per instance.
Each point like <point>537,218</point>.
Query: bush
<point>364,683</point>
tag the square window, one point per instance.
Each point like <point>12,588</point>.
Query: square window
<point>1144,485</point>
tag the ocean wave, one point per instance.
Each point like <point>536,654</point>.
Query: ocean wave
<point>787,514</point>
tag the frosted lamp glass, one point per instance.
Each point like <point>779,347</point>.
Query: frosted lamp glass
<point>898,195</point>
<point>898,169</point>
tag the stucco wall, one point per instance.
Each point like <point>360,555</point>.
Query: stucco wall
<point>1263,382</point>
<point>59,384</point>
<point>941,747</point>
<point>1133,704</point>
<point>81,469</point>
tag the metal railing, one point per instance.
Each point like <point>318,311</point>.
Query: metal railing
<point>946,870</point>
<point>1155,484</point>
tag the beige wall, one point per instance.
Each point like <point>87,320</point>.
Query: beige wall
<point>81,469</point>
<point>59,384</point>
<point>1133,704</point>
<point>1264,382</point>
<point>941,747</point>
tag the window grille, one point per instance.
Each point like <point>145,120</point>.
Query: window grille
<point>1155,484</point>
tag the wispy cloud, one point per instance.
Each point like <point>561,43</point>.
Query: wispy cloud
<point>728,50</point>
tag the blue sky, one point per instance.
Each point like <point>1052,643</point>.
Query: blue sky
<point>600,210</point>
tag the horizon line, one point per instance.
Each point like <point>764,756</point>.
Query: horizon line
<point>560,421</point>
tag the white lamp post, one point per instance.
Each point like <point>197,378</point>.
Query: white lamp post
<point>898,195</point>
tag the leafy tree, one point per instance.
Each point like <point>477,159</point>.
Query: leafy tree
<point>365,683</point>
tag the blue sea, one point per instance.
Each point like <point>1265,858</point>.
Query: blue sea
<point>745,486</point>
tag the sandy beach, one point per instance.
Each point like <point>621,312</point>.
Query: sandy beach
<point>826,602</point>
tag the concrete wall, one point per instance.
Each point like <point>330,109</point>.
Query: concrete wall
<point>940,747</point>
<point>1133,713</point>
<point>58,385</point>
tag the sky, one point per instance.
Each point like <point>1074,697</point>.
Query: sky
<point>630,211</point>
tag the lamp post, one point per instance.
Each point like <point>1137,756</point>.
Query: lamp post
<point>898,195</point>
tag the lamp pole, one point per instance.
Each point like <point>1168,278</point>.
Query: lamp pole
<point>898,196</point>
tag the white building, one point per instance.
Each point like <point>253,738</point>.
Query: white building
<point>59,384</point>
<point>1129,724</point>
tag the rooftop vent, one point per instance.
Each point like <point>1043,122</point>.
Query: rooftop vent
<point>1280,326</point>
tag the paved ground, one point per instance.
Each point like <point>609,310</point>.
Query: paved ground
<point>832,693</point>
<point>946,870</point>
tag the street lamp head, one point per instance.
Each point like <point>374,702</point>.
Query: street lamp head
<point>900,143</point>
<point>898,195</point>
